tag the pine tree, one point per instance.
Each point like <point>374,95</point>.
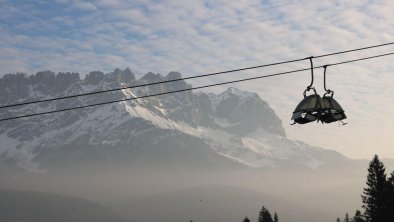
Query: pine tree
<point>338,220</point>
<point>390,205</point>
<point>276,219</point>
<point>374,195</point>
<point>261,214</point>
<point>246,219</point>
<point>264,215</point>
<point>347,219</point>
<point>358,217</point>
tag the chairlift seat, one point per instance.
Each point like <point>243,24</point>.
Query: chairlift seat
<point>332,110</point>
<point>308,110</point>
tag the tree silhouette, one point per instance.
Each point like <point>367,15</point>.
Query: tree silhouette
<point>390,206</point>
<point>374,196</point>
<point>246,219</point>
<point>276,219</point>
<point>358,217</point>
<point>377,197</point>
<point>347,219</point>
<point>264,215</point>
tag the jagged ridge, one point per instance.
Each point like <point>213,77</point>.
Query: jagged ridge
<point>182,128</point>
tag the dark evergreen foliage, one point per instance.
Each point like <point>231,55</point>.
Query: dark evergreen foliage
<point>246,219</point>
<point>276,219</point>
<point>347,219</point>
<point>264,215</point>
<point>377,197</point>
<point>390,207</point>
<point>375,201</point>
<point>358,217</point>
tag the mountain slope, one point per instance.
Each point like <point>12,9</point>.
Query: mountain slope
<point>179,130</point>
<point>28,206</point>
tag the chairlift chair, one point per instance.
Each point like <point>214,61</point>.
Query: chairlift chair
<point>309,109</point>
<point>315,108</point>
<point>332,110</point>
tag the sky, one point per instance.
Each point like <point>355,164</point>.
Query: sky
<point>202,36</point>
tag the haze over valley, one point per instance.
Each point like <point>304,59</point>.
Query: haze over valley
<point>154,157</point>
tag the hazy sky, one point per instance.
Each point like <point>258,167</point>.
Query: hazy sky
<point>196,37</point>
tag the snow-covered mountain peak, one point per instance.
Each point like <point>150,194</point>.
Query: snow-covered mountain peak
<point>232,94</point>
<point>237,92</point>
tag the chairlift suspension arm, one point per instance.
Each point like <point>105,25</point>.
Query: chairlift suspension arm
<point>328,91</point>
<point>310,86</point>
<point>325,88</point>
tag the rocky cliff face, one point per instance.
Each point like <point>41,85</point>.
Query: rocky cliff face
<point>181,129</point>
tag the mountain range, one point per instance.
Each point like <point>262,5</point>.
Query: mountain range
<point>232,129</point>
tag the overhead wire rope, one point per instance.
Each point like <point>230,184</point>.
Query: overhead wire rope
<point>194,88</point>
<point>194,77</point>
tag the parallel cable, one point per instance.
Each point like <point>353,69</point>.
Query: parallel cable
<point>360,59</point>
<point>194,88</point>
<point>194,77</point>
<point>354,50</point>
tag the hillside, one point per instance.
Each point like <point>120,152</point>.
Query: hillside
<point>28,206</point>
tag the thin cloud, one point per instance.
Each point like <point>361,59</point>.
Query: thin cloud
<point>81,5</point>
